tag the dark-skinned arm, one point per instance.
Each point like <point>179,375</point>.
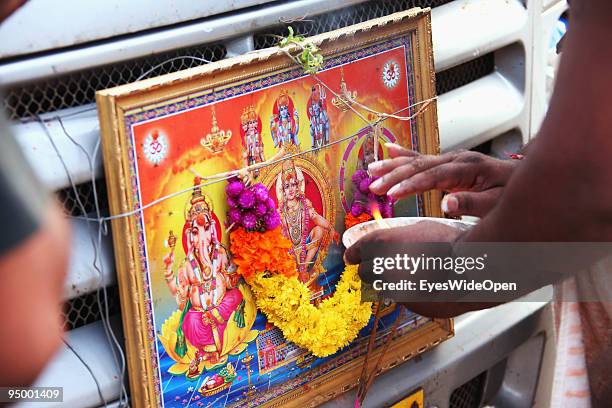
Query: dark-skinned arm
<point>563,189</point>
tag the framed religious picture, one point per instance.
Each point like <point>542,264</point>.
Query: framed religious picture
<point>231,185</point>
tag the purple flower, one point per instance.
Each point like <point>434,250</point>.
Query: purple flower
<point>386,210</point>
<point>271,204</point>
<point>364,186</point>
<point>359,196</point>
<point>356,209</point>
<point>261,193</point>
<point>249,220</point>
<point>358,176</point>
<point>234,216</point>
<point>260,209</point>
<point>231,202</point>
<point>272,221</point>
<point>246,199</point>
<point>234,188</point>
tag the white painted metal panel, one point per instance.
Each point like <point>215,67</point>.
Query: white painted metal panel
<point>477,112</point>
<point>37,141</point>
<point>82,276</point>
<point>67,371</point>
<point>220,28</point>
<point>46,24</point>
<point>464,30</point>
<point>543,70</point>
<point>550,3</point>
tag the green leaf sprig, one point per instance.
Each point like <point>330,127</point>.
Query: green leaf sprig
<point>310,58</point>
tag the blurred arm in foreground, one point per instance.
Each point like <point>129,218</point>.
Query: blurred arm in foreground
<point>33,256</point>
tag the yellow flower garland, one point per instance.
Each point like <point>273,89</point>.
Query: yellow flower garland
<point>322,329</point>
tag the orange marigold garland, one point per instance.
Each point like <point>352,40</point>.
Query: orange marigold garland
<point>268,251</point>
<point>351,221</point>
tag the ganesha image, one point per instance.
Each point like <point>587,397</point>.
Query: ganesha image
<point>215,309</point>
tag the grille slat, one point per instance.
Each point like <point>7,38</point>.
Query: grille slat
<point>78,89</point>
<point>84,309</point>
<point>469,395</point>
<point>341,18</point>
<point>464,74</point>
<point>85,192</point>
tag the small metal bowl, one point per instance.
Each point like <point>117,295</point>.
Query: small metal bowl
<point>356,232</point>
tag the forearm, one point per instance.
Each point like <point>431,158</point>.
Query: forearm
<point>32,278</point>
<point>562,191</point>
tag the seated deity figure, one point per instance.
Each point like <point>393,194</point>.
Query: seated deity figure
<point>204,287</point>
<point>366,153</point>
<point>301,223</point>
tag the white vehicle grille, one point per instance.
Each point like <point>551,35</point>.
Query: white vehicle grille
<point>487,55</point>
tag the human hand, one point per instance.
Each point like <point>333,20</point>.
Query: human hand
<point>370,246</point>
<point>380,242</point>
<point>475,181</point>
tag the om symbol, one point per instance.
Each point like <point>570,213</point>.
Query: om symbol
<point>155,147</point>
<point>391,74</point>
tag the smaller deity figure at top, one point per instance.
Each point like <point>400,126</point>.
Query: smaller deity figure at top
<point>319,121</point>
<point>284,123</point>
<point>366,153</point>
<point>251,136</point>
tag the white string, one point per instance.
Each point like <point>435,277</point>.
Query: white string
<point>219,177</point>
<point>88,368</point>
<point>97,264</point>
<point>145,74</point>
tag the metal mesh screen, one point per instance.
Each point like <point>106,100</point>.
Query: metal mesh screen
<point>463,74</point>
<point>85,192</point>
<point>84,309</point>
<point>469,395</point>
<point>342,18</point>
<point>79,88</point>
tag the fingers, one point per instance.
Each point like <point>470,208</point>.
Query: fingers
<point>352,255</point>
<point>396,150</point>
<point>404,168</point>
<point>447,176</point>
<point>469,203</point>
<point>355,253</point>
<point>382,167</point>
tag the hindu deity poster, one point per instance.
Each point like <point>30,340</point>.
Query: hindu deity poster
<point>194,334</point>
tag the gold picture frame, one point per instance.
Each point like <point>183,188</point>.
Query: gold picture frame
<point>150,198</point>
